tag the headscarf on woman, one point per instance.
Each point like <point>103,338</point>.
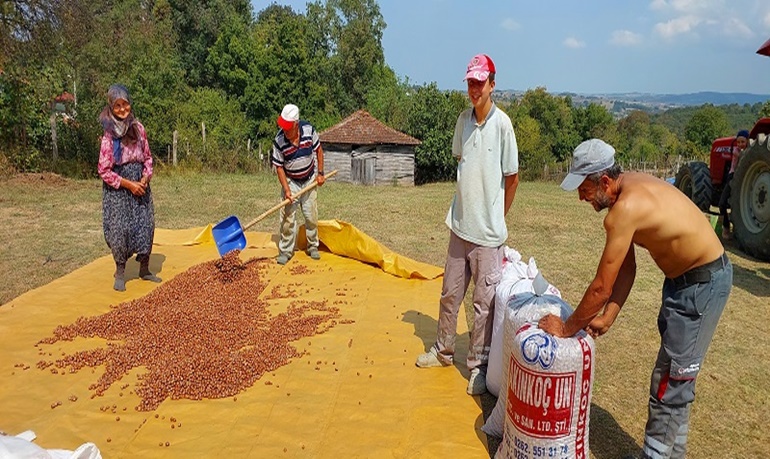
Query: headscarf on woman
<point>121,130</point>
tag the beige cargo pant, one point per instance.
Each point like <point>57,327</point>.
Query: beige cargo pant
<point>308,204</point>
<point>465,261</point>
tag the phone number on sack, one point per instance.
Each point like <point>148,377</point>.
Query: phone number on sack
<point>521,450</point>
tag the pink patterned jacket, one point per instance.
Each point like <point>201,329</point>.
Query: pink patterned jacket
<point>137,153</point>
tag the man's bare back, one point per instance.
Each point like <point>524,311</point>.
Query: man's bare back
<point>675,232</point>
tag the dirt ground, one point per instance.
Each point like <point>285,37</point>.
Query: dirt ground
<point>43,179</point>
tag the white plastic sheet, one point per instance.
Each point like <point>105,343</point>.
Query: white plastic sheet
<point>21,447</point>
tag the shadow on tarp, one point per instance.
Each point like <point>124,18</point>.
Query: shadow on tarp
<point>425,328</point>
<point>156,266</point>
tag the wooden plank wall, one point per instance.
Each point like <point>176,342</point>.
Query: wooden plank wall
<point>394,164</point>
<point>339,160</point>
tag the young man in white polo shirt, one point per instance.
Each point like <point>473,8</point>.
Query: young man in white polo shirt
<point>487,177</point>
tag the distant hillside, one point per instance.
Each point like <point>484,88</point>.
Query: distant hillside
<point>697,98</point>
<point>620,104</point>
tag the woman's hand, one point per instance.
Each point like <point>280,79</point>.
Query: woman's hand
<point>145,181</point>
<point>136,188</point>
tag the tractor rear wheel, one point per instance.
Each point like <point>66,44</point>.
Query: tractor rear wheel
<point>750,200</point>
<point>694,180</point>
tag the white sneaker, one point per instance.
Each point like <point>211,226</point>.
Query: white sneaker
<point>429,360</point>
<point>477,382</point>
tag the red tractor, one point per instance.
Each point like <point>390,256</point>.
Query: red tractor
<point>750,187</point>
<point>750,195</point>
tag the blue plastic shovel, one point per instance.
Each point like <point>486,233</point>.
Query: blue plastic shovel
<point>228,233</point>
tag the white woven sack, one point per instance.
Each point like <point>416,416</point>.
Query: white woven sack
<point>547,397</point>
<point>517,278</point>
<point>521,309</point>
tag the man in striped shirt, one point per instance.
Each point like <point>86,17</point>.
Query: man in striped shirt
<point>298,159</point>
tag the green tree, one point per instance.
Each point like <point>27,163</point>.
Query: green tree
<point>358,44</point>
<point>149,67</point>
<point>707,124</point>
<point>226,129</point>
<point>432,118</point>
<point>534,154</point>
<point>642,149</point>
<point>283,69</point>
<point>28,77</point>
<point>664,140</point>
<point>554,114</point>
<point>388,99</point>
<point>197,25</point>
<point>591,120</point>
<point>765,110</point>
<point>27,28</point>
<point>232,59</point>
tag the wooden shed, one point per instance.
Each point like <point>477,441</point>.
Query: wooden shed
<point>366,151</point>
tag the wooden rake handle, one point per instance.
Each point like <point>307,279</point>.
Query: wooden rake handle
<point>285,202</point>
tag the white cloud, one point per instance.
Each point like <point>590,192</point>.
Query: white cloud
<point>704,18</point>
<point>572,42</point>
<point>509,24</point>
<point>678,26</point>
<point>625,38</point>
<point>689,6</point>
<point>734,27</point>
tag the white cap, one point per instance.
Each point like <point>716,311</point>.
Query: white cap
<point>289,116</point>
<point>588,158</point>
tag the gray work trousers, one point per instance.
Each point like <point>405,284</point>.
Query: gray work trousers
<point>309,206</point>
<point>687,320</point>
<point>466,260</point>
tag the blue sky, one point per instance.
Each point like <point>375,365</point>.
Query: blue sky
<point>581,46</point>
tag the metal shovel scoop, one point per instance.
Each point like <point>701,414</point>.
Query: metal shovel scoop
<point>228,233</point>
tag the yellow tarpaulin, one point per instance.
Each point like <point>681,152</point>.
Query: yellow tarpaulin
<point>375,404</point>
<point>341,238</point>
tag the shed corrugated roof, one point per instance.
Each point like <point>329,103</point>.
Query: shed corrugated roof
<point>361,128</point>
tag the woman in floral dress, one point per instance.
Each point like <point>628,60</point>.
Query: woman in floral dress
<point>125,166</point>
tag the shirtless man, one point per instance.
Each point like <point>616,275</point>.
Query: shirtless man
<point>650,213</point>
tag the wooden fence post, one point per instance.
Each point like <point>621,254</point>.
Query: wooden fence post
<point>173,149</point>
<point>203,130</point>
<point>53,137</point>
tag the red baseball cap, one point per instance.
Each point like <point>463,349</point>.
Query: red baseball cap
<point>289,115</point>
<point>479,68</point>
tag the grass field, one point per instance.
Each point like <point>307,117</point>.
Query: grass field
<point>52,226</point>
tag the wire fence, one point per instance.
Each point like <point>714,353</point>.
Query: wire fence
<point>664,169</point>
